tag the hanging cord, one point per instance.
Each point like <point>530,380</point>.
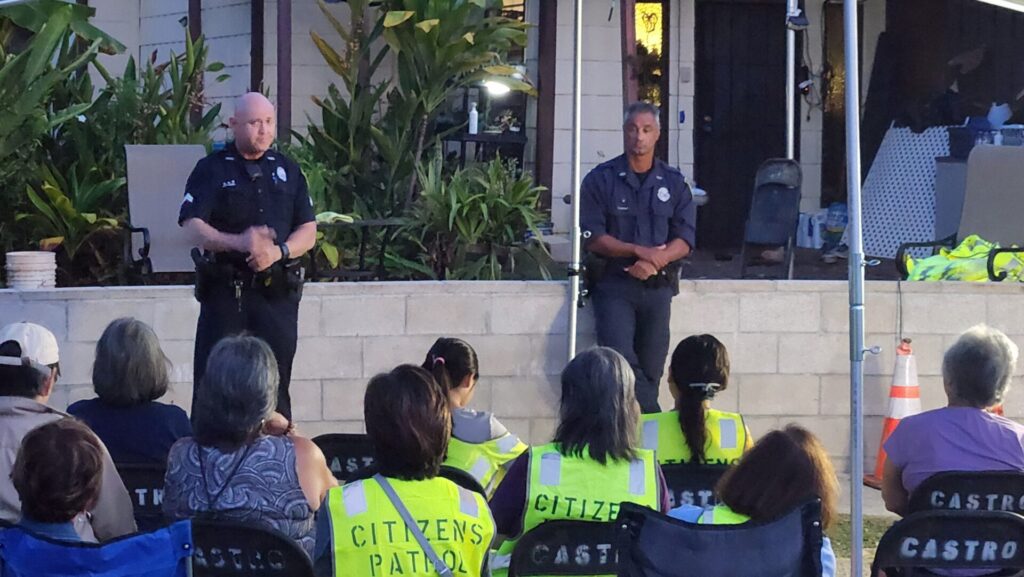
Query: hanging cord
<point>899,311</point>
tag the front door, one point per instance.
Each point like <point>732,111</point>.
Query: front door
<point>740,109</point>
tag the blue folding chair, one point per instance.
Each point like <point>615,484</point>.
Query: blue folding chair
<point>163,553</point>
<point>970,491</point>
<point>692,484</point>
<point>652,544</point>
<point>988,542</point>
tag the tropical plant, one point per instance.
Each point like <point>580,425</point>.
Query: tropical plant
<point>473,223</point>
<point>68,210</point>
<point>42,44</point>
<point>376,129</point>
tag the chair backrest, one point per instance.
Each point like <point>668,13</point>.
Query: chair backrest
<point>566,548</point>
<point>462,479</point>
<point>156,186</point>
<point>970,491</point>
<point>163,553</point>
<point>229,549</point>
<point>993,204</point>
<point>346,453</point>
<point>983,540</point>
<point>690,484</point>
<point>655,545</point>
<point>775,204</point>
<point>145,484</point>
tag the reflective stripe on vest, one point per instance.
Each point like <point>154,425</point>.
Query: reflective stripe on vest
<point>726,437</point>
<point>579,488</point>
<point>368,536</point>
<point>485,461</point>
<point>721,515</point>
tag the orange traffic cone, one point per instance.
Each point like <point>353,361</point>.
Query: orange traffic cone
<point>904,401</point>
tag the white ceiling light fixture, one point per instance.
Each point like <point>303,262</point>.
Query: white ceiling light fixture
<point>497,88</point>
<point>1017,5</point>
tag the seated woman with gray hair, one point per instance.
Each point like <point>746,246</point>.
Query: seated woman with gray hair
<point>129,374</point>
<point>232,469</point>
<point>965,435</point>
<point>593,464</point>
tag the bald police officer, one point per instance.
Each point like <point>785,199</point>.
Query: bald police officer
<point>248,207</point>
<point>637,217</point>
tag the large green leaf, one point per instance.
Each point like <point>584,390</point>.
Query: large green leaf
<point>396,17</point>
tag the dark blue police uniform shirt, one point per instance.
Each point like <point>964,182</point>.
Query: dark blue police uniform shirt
<point>135,435</point>
<point>652,213</point>
<point>222,193</point>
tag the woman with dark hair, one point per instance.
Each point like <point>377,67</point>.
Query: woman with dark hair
<point>364,530</point>
<point>480,445</point>
<point>129,374</point>
<point>784,469</point>
<point>694,432</point>
<point>57,474</point>
<point>593,464</point>
<point>232,468</point>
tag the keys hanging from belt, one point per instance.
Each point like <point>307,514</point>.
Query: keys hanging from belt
<point>238,293</point>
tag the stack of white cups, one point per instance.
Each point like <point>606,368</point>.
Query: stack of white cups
<point>31,270</point>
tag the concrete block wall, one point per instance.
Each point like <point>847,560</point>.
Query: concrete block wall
<point>787,340</point>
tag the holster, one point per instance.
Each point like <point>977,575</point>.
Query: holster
<point>594,269</point>
<point>282,279</point>
<point>666,277</point>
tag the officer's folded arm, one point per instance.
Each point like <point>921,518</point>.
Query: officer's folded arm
<point>209,238</point>
<point>607,245</point>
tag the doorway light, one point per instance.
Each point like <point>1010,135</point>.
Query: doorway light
<point>1017,5</point>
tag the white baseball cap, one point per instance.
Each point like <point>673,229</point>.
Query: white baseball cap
<point>38,345</point>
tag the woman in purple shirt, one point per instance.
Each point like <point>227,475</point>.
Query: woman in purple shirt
<point>964,435</point>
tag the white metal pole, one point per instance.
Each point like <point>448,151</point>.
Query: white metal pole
<point>792,6</point>
<point>574,266</point>
<point>856,282</point>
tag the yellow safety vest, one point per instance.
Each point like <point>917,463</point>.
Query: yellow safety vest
<point>726,439</point>
<point>721,515</point>
<point>485,461</point>
<point>579,488</point>
<point>370,539</point>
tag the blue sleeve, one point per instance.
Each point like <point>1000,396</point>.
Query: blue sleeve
<point>303,208</point>
<point>323,550</point>
<point>593,213</point>
<point>200,193</point>
<point>688,513</point>
<point>683,221</point>
<point>828,558</point>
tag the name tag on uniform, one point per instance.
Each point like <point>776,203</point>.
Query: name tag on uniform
<point>228,184</point>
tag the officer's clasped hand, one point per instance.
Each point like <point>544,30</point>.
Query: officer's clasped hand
<point>642,270</point>
<point>656,255</point>
<point>262,249</point>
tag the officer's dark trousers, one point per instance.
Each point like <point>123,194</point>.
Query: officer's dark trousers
<point>634,320</point>
<point>273,319</point>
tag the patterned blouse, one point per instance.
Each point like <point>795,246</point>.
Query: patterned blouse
<point>256,483</point>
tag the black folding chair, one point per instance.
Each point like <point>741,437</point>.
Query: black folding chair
<point>774,210</point>
<point>691,484</point>
<point>145,484</point>
<point>652,544</point>
<point>987,541</point>
<point>229,549</point>
<point>566,548</point>
<point>346,453</point>
<point>970,491</point>
<point>462,479</point>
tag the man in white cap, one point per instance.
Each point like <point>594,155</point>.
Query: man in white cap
<point>28,370</point>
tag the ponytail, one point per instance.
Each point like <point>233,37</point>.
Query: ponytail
<point>450,361</point>
<point>699,369</point>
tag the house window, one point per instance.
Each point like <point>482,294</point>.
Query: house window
<point>651,69</point>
